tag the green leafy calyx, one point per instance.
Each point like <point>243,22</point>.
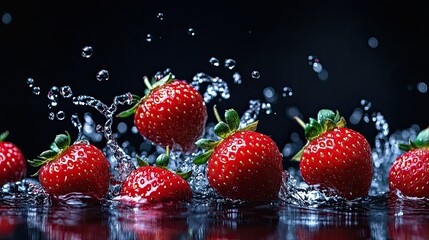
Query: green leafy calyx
<point>4,135</point>
<point>421,142</point>
<point>222,129</point>
<point>151,86</point>
<point>60,144</point>
<point>326,121</point>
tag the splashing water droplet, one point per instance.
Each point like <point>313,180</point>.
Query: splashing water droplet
<point>61,115</point>
<point>51,116</point>
<point>149,37</point>
<point>287,92</point>
<point>66,91</point>
<point>267,108</point>
<point>103,75</point>
<point>256,75</point>
<point>230,63</point>
<point>317,67</point>
<point>373,42</point>
<point>30,82</point>
<point>36,90</point>
<point>87,51</point>
<point>216,86</point>
<point>214,61</point>
<point>270,94</point>
<point>191,32</point>
<point>99,128</point>
<point>160,16</point>
<point>237,78</point>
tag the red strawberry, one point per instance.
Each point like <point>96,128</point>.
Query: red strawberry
<point>335,157</point>
<point>77,168</point>
<point>409,172</point>
<point>155,184</point>
<point>12,162</point>
<point>243,164</point>
<point>171,114</point>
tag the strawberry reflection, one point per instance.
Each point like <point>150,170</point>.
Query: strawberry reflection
<point>74,222</point>
<point>9,222</point>
<point>332,225</point>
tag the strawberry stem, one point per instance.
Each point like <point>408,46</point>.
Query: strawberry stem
<point>216,113</point>
<point>147,83</point>
<point>300,122</point>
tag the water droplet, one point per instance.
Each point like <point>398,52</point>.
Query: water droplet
<point>256,75</point>
<point>323,75</point>
<point>356,116</point>
<point>230,63</point>
<point>237,78</point>
<point>103,75</point>
<point>99,128</point>
<point>6,18</point>
<point>51,116</point>
<point>36,90</point>
<point>365,104</point>
<point>214,61</point>
<point>160,16</point>
<point>61,115</point>
<point>66,92</point>
<point>317,67</point>
<point>267,108</point>
<point>422,87</point>
<point>191,31</point>
<point>269,94</point>
<point>287,92</point>
<point>122,127</point>
<point>373,42</point>
<point>149,37</point>
<point>30,82</point>
<point>87,51</point>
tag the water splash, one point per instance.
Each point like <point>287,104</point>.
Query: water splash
<point>215,86</point>
<point>255,74</point>
<point>87,51</point>
<point>102,75</point>
<point>317,67</point>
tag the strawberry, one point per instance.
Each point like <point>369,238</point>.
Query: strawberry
<point>154,184</point>
<point>409,172</point>
<point>77,168</point>
<point>172,114</point>
<point>12,161</point>
<point>336,158</point>
<point>244,164</point>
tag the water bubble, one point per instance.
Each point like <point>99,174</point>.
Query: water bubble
<point>66,91</point>
<point>134,130</point>
<point>51,116</point>
<point>61,115</point>
<point>160,16</point>
<point>214,61</point>
<point>255,75</point>
<point>191,31</point>
<point>373,42</point>
<point>149,37</point>
<point>52,104</point>
<point>87,51</point>
<point>287,92</point>
<point>36,90</point>
<point>230,63</point>
<point>30,82</point>
<point>422,87</point>
<point>237,78</point>
<point>6,18</point>
<point>103,75</point>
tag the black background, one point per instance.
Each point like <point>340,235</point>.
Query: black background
<point>45,38</point>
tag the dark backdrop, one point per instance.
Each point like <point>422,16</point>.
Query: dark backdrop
<point>43,40</point>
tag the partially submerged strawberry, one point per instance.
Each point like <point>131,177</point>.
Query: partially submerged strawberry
<point>12,161</point>
<point>409,172</point>
<point>77,168</point>
<point>154,184</point>
<point>244,164</point>
<point>335,157</point>
<point>171,114</point>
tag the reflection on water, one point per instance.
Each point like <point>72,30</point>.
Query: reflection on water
<point>385,217</point>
